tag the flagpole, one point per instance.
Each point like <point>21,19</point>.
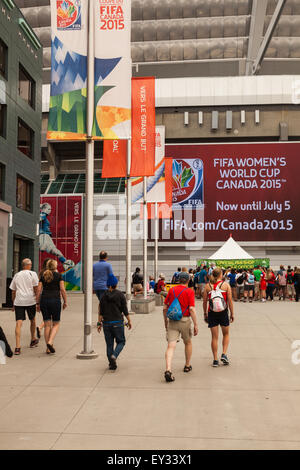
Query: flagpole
<point>145,216</point>
<point>88,352</point>
<point>156,242</point>
<point>128,228</point>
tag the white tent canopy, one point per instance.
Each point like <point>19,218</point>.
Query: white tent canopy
<point>231,250</point>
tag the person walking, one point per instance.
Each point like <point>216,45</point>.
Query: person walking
<point>282,282</point>
<point>113,308</point>
<point>263,285</point>
<point>24,290</point>
<point>101,270</point>
<point>42,324</point>
<point>137,282</point>
<point>179,327</point>
<point>271,279</point>
<point>249,286</point>
<point>217,298</point>
<point>297,283</point>
<point>50,290</point>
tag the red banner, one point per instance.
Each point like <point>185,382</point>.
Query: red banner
<point>143,127</point>
<point>114,159</point>
<point>248,190</point>
<point>60,236</point>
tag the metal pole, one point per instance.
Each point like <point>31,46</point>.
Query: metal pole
<point>128,229</point>
<point>88,352</point>
<point>156,243</point>
<point>145,216</point>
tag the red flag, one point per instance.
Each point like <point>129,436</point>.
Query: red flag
<point>114,159</point>
<point>143,127</point>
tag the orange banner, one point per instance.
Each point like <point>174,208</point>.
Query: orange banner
<point>164,209</point>
<point>114,159</point>
<point>143,127</point>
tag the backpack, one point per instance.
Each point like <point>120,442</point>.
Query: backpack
<point>174,311</point>
<point>217,303</point>
<point>251,279</point>
<point>175,278</point>
<point>290,277</point>
<point>240,279</point>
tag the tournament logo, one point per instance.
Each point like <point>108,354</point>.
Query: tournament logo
<point>187,183</point>
<point>68,15</point>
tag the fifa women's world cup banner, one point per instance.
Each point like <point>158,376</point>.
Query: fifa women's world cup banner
<point>248,190</point>
<point>112,69</point>
<point>67,112</point>
<point>60,236</point>
<point>68,100</point>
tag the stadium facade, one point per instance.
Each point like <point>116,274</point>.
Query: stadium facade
<point>227,72</point>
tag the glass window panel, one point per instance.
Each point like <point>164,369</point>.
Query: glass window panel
<point>26,87</point>
<point>25,139</point>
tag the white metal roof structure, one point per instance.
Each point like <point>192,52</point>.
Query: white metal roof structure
<point>177,38</point>
<point>231,250</point>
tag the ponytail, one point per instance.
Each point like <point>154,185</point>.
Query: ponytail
<point>48,273</point>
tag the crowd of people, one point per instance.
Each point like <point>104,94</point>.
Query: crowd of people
<point>218,288</point>
<point>248,285</point>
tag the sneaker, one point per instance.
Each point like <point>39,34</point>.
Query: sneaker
<point>215,364</point>
<point>225,360</point>
<point>113,362</point>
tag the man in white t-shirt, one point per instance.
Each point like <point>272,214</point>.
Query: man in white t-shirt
<point>24,287</point>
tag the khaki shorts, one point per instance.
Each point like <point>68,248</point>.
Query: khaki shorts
<point>177,328</point>
<point>137,287</point>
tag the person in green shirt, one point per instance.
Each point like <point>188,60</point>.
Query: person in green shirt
<point>257,274</point>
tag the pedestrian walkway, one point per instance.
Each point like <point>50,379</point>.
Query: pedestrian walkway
<point>60,402</point>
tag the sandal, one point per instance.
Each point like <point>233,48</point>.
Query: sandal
<point>169,376</point>
<point>17,351</point>
<point>34,343</point>
<point>51,348</point>
<point>187,369</point>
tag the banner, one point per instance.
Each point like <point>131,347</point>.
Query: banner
<point>112,69</point>
<point>114,159</point>
<point>3,254</point>
<point>60,238</point>
<point>248,190</point>
<point>143,127</point>
<point>236,263</point>
<point>156,185</point>
<point>67,112</point>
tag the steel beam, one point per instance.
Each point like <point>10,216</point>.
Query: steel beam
<point>268,36</point>
<point>259,10</point>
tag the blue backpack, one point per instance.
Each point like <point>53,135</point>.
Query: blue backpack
<point>174,311</point>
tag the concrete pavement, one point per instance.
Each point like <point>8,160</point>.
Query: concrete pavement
<point>60,402</point>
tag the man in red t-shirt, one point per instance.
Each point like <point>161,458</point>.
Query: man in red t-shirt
<point>183,327</point>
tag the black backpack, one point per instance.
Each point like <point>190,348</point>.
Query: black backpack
<point>240,279</point>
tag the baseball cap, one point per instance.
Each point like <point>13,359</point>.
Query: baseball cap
<point>183,276</point>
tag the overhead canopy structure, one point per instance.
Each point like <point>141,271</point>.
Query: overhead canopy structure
<point>231,250</point>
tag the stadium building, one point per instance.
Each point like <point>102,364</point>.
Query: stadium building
<point>227,72</point>
<point>21,61</point>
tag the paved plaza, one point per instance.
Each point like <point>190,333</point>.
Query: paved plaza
<point>60,402</point>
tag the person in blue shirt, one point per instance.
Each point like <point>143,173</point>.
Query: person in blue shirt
<point>203,280</point>
<point>101,271</point>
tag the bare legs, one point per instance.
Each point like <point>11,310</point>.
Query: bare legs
<point>215,339</point>
<point>50,331</point>
<point>170,353</point>
<point>18,331</point>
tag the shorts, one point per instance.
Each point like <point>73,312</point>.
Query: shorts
<point>51,309</point>
<point>202,287</point>
<point>249,288</point>
<point>21,315</point>
<point>216,319</point>
<point>137,287</point>
<point>177,328</point>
